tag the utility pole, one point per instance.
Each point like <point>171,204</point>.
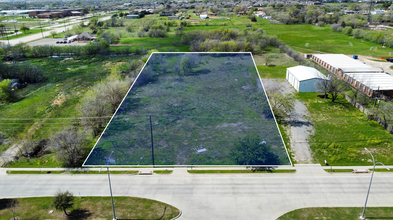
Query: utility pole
<point>109,179</point>
<point>41,30</point>
<point>151,137</point>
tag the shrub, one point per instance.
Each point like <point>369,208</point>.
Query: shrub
<point>347,30</point>
<point>336,27</point>
<point>357,33</point>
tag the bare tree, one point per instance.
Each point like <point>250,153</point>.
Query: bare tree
<point>70,145</point>
<point>12,205</point>
<point>282,105</point>
<point>95,112</point>
<point>385,114</point>
<point>336,87</point>
<point>323,85</point>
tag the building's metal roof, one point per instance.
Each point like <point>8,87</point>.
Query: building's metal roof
<point>303,73</point>
<point>346,63</point>
<point>374,81</point>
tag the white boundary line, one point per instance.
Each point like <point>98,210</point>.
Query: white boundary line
<point>275,120</point>
<point>192,165</point>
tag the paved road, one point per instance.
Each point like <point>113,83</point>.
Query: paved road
<point>219,196</point>
<point>58,28</point>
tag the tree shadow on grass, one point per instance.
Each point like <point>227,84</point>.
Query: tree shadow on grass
<point>79,214</point>
<point>4,203</point>
<point>162,216</point>
<point>379,217</point>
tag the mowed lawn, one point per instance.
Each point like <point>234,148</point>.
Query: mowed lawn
<point>91,208</point>
<point>297,36</point>
<point>344,213</point>
<point>342,132</point>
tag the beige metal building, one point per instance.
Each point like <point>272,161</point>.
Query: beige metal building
<point>373,82</point>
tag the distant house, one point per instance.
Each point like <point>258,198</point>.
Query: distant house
<point>378,12</point>
<point>203,16</point>
<point>261,14</point>
<point>243,12</point>
<point>133,16</point>
<point>85,36</point>
<point>305,79</point>
<point>166,13</point>
<point>350,12</point>
<point>173,17</point>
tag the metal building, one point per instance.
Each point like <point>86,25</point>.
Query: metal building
<point>305,79</point>
<point>373,82</point>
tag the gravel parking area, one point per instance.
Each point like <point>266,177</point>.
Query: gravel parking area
<point>52,42</point>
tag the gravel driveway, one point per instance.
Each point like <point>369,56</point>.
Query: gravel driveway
<point>300,127</point>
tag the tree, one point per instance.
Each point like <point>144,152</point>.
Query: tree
<point>253,150</point>
<point>91,11</point>
<point>131,9</point>
<point>53,33</point>
<point>323,85</point>
<point>282,105</point>
<point>63,200</point>
<point>70,145</point>
<point>336,87</point>
<point>129,28</point>
<point>7,93</point>
<point>121,14</point>
<point>103,45</point>
<point>24,29</point>
<point>12,204</point>
<point>385,114</point>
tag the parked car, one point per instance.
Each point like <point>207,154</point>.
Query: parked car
<point>60,42</point>
<point>389,60</point>
<point>57,42</point>
<point>65,42</point>
<point>69,41</point>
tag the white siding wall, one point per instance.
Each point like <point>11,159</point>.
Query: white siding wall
<point>292,80</point>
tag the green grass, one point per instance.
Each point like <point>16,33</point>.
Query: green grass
<point>163,171</point>
<point>297,36</point>
<point>338,170</point>
<point>68,172</point>
<point>273,72</point>
<point>22,34</point>
<point>342,132</point>
<point>240,171</point>
<point>382,170</point>
<point>51,106</point>
<point>91,208</point>
<point>203,121</point>
<point>346,213</point>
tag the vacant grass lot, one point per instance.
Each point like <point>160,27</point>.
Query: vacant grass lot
<point>350,213</point>
<point>91,208</point>
<point>69,172</point>
<point>297,36</point>
<point>342,132</point>
<point>51,106</point>
<point>209,107</point>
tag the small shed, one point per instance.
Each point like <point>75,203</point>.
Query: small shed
<point>305,79</point>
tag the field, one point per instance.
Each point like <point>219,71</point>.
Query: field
<point>197,115</point>
<point>323,39</point>
<point>91,208</point>
<point>342,132</point>
<point>351,213</point>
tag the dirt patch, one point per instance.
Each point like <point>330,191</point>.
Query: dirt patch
<point>59,100</point>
